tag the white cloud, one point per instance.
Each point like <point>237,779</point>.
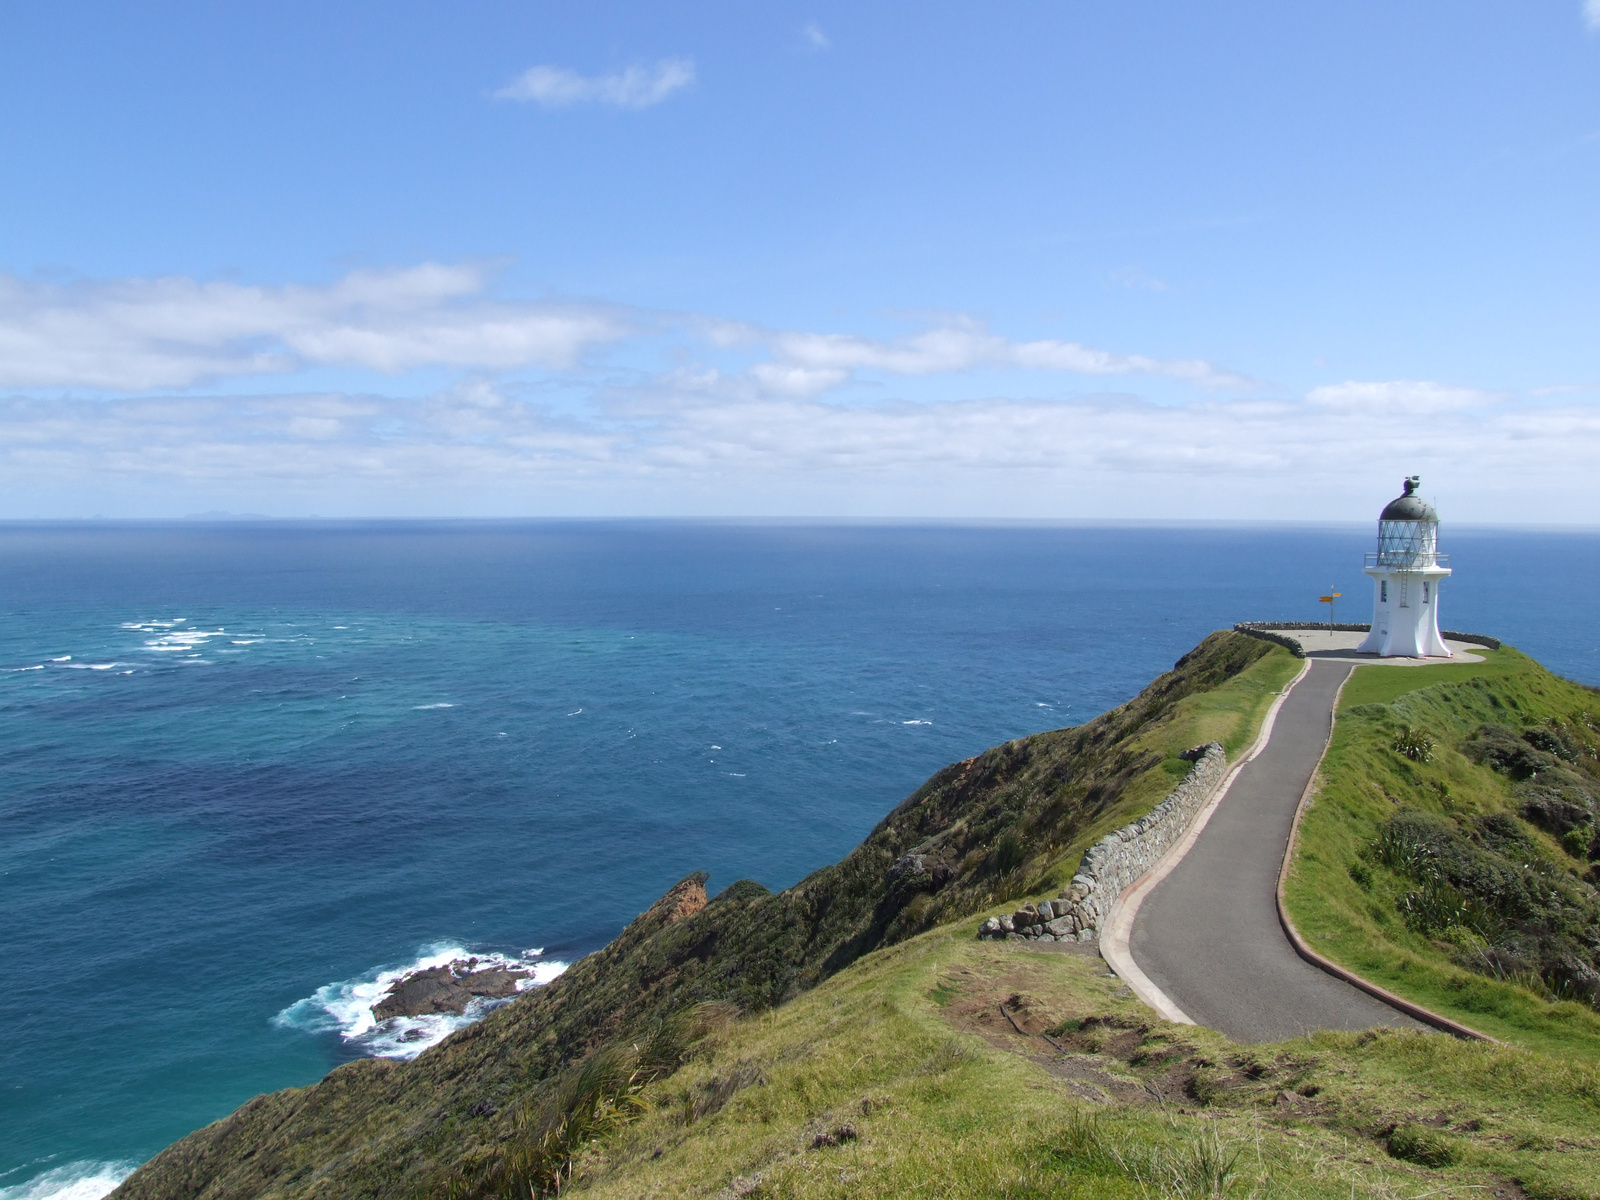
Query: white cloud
<point>175,332</point>
<point>1401,398</point>
<point>819,40</point>
<point>1591,14</point>
<point>744,423</point>
<point>136,334</point>
<point>1134,279</point>
<point>691,447</point>
<point>636,87</point>
<point>806,363</point>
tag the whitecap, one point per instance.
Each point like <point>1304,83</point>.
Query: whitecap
<point>170,639</point>
<point>247,641</point>
<point>916,722</point>
<point>94,666</point>
<point>75,1181</point>
<point>421,707</point>
<point>573,714</point>
<point>346,1007</point>
<point>737,774</point>
<point>39,667</point>
<point>63,658</point>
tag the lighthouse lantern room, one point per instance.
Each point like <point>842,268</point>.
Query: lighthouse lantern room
<point>1406,571</point>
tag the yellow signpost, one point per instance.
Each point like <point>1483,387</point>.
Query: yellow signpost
<point>1328,600</point>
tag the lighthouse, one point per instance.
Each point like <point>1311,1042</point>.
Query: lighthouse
<point>1406,571</point>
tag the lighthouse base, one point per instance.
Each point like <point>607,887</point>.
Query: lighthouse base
<point>1405,614</point>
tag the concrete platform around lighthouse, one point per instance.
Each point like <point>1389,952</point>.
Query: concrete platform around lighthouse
<point>1340,645</point>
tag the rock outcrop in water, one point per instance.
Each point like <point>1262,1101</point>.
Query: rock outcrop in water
<point>447,989</point>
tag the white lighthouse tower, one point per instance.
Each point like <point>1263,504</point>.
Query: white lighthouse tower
<point>1406,573</point>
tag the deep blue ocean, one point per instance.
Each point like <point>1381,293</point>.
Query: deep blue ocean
<point>247,768</point>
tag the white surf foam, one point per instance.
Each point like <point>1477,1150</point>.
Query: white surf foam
<point>346,1007</point>
<point>75,1181</point>
<point>916,722</point>
<point>172,637</point>
<point>424,707</point>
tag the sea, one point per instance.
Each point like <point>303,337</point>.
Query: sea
<point>251,772</point>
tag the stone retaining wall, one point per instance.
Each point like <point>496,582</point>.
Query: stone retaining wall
<point>1115,861</point>
<point>1266,635</point>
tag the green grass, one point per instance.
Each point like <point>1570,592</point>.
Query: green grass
<point>942,1102</point>
<point>1231,714</point>
<point>1379,684</point>
<point>1347,906</point>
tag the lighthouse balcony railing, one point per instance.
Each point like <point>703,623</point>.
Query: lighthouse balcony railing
<point>1406,560</point>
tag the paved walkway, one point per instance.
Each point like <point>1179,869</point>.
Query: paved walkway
<point>1208,934</point>
<point>1340,646</point>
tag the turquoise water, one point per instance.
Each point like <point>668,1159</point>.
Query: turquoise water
<point>247,769</point>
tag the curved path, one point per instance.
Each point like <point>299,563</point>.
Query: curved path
<point>1208,934</point>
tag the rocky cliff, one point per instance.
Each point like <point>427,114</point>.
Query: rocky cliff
<point>977,833</point>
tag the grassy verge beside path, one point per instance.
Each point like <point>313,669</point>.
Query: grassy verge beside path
<point>901,1077</point>
<point>1426,862</point>
<point>1231,714</point>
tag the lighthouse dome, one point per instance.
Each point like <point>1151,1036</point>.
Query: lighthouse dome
<point>1408,506</point>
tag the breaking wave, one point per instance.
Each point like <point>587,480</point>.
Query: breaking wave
<point>75,1181</point>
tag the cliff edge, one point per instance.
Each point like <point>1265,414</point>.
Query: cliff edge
<point>997,826</point>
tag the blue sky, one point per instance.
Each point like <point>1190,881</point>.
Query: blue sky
<point>1059,260</point>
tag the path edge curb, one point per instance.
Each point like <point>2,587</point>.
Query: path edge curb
<point>1118,927</point>
<point>1426,1016</point>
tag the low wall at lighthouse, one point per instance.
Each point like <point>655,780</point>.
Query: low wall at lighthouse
<point>1116,860</point>
<point>1274,631</point>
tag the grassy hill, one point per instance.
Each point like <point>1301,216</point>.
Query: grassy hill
<point>849,1036</point>
<point>1449,853</point>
